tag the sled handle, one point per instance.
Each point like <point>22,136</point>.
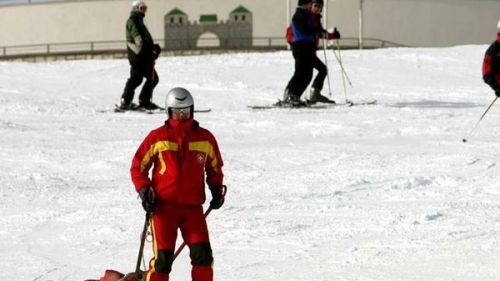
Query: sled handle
<point>143,240</point>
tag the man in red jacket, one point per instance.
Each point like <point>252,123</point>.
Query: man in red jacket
<point>182,155</point>
<point>491,64</point>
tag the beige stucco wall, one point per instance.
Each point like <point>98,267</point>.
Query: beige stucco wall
<point>62,22</point>
<point>105,20</point>
<point>409,22</point>
<point>432,22</point>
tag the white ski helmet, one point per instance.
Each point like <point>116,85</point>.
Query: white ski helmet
<point>138,4</point>
<point>498,24</point>
<point>178,98</point>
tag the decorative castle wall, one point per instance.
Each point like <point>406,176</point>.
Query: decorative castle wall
<point>236,32</point>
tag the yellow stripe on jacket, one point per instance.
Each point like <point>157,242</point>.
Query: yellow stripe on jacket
<point>155,149</point>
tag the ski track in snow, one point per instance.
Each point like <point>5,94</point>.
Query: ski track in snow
<point>380,192</point>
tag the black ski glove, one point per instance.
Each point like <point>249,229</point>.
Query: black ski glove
<point>491,81</point>
<point>147,196</point>
<point>336,33</point>
<point>218,194</point>
<point>156,51</point>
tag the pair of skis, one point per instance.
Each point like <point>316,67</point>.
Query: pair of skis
<point>117,109</point>
<point>318,105</point>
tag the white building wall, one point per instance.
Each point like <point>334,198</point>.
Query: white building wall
<point>409,22</point>
<point>81,21</point>
<point>432,22</point>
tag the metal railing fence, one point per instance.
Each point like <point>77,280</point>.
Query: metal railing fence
<point>118,47</point>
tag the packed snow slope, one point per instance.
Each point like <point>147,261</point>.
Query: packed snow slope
<point>382,192</point>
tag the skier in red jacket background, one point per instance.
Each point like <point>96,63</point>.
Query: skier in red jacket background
<point>182,156</point>
<point>491,64</point>
<point>321,33</point>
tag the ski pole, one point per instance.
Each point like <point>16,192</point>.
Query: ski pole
<point>339,60</point>
<point>143,240</point>
<point>482,116</point>
<point>343,72</point>
<point>181,247</point>
<point>327,72</point>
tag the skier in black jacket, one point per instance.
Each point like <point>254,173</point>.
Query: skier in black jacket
<point>142,53</point>
<point>491,64</point>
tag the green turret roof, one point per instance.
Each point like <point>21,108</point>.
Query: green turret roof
<point>208,18</point>
<point>241,9</point>
<point>176,12</point>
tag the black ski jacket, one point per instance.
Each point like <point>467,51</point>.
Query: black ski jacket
<point>303,42</point>
<point>135,26</point>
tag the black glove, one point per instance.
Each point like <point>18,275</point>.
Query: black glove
<point>156,51</point>
<point>147,196</point>
<point>491,82</point>
<point>336,33</point>
<point>218,194</point>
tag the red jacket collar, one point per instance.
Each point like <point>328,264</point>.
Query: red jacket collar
<point>498,37</point>
<point>191,123</point>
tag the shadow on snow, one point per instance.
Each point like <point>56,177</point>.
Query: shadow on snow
<point>436,104</point>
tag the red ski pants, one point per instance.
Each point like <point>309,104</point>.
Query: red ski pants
<point>165,221</point>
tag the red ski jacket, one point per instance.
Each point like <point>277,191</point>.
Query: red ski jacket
<point>491,64</point>
<point>318,27</point>
<point>180,160</point>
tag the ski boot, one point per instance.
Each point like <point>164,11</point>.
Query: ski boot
<point>127,105</point>
<point>150,106</point>
<point>316,96</point>
<point>290,100</point>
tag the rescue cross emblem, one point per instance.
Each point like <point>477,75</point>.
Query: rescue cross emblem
<point>200,158</point>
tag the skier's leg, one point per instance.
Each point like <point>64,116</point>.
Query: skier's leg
<point>152,79</point>
<point>291,87</point>
<point>305,70</point>
<point>164,224</point>
<point>318,82</point>
<point>133,82</point>
<point>322,72</point>
<point>195,232</point>
<point>202,260</point>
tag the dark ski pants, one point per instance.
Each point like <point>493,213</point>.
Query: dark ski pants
<point>137,73</point>
<point>322,72</point>
<point>303,73</point>
<point>166,219</point>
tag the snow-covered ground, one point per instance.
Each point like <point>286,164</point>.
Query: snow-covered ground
<point>384,192</point>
